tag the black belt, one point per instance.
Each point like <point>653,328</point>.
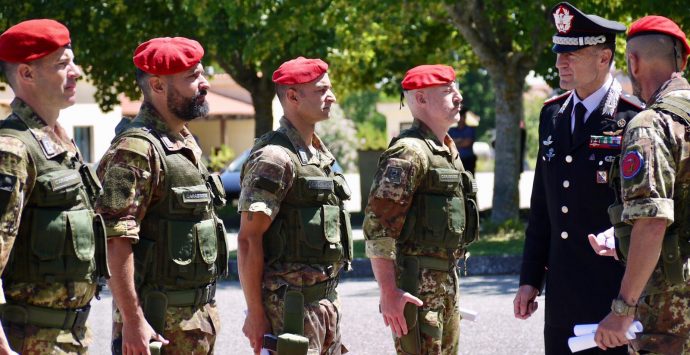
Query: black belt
<point>44,317</point>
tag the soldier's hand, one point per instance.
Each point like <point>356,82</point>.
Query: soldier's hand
<point>255,326</point>
<point>392,308</point>
<point>604,243</point>
<point>524,303</point>
<point>612,331</point>
<point>136,336</point>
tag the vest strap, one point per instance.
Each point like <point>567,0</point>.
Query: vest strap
<point>194,297</point>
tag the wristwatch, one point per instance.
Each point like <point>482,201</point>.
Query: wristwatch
<point>621,308</point>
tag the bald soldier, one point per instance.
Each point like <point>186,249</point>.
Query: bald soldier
<point>420,218</point>
<point>167,244</point>
<point>52,245</point>
<point>652,224</point>
<point>295,233</point>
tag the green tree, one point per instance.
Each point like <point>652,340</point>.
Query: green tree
<point>247,39</point>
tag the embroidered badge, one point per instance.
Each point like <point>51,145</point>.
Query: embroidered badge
<point>631,164</point>
<point>602,176</point>
<point>550,154</point>
<point>609,158</point>
<point>548,141</point>
<point>621,123</point>
<point>393,174</point>
<point>563,19</point>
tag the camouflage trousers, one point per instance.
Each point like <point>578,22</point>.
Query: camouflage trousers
<point>190,330</point>
<point>29,339</point>
<point>665,317</point>
<point>439,317</point>
<point>321,323</point>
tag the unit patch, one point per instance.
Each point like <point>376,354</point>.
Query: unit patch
<point>631,164</point>
<point>393,174</point>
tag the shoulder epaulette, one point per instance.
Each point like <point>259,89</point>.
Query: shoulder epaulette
<point>632,100</point>
<point>556,98</point>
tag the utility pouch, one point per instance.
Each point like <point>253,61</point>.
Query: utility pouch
<point>673,264</point>
<point>472,222</point>
<point>215,185</point>
<point>292,344</point>
<point>342,190</point>
<point>223,255</point>
<point>58,188</point>
<point>155,305</point>
<point>469,184</point>
<point>409,282</point>
<point>91,182</point>
<point>293,313</point>
<point>101,242</point>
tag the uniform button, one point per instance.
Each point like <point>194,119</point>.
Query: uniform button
<point>564,209</point>
<point>564,235</point>
<point>566,183</point>
<point>568,159</point>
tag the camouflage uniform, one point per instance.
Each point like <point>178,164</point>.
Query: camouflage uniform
<point>272,162</point>
<point>17,182</point>
<point>402,169</point>
<point>656,153</point>
<point>124,204</point>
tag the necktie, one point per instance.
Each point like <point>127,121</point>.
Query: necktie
<point>578,131</point>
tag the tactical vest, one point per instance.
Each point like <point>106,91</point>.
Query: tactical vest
<point>444,212</point>
<point>675,249</point>
<point>60,238</point>
<point>312,225</point>
<point>182,243</point>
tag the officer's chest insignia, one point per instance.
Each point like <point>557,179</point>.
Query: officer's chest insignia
<point>548,141</point>
<point>549,155</point>
<point>631,164</point>
<point>613,133</point>
<point>48,146</point>
<point>605,142</point>
<point>602,176</point>
<point>621,123</point>
<point>168,143</point>
<point>609,158</point>
<point>393,174</point>
<point>303,156</point>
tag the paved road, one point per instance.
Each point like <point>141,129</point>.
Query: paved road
<point>496,332</point>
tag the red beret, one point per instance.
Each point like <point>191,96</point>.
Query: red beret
<point>299,71</point>
<point>424,76</point>
<point>168,55</point>
<point>31,40</point>
<point>658,24</point>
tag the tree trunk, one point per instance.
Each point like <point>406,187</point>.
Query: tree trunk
<point>262,99</point>
<point>506,199</point>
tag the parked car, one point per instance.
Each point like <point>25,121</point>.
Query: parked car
<point>231,176</point>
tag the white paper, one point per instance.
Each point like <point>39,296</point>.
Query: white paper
<point>584,338</point>
<point>468,314</point>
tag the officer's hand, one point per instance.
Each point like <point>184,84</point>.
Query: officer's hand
<point>393,306</point>
<point>524,303</point>
<point>255,326</point>
<point>612,331</point>
<point>604,243</point>
<point>136,336</point>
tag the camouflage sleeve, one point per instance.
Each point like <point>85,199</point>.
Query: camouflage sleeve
<point>16,179</point>
<point>268,175</point>
<point>400,171</point>
<point>648,169</point>
<point>130,174</point>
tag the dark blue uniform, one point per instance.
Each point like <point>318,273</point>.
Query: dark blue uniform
<point>570,198</point>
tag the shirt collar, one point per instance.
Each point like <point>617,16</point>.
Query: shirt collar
<point>592,101</point>
<point>447,146</point>
<point>305,154</point>
<point>53,141</point>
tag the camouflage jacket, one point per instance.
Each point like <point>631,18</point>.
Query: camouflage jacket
<point>17,180</point>
<point>124,202</point>
<point>391,199</point>
<point>654,165</point>
<point>272,162</point>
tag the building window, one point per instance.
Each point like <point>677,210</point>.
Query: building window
<point>83,138</point>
